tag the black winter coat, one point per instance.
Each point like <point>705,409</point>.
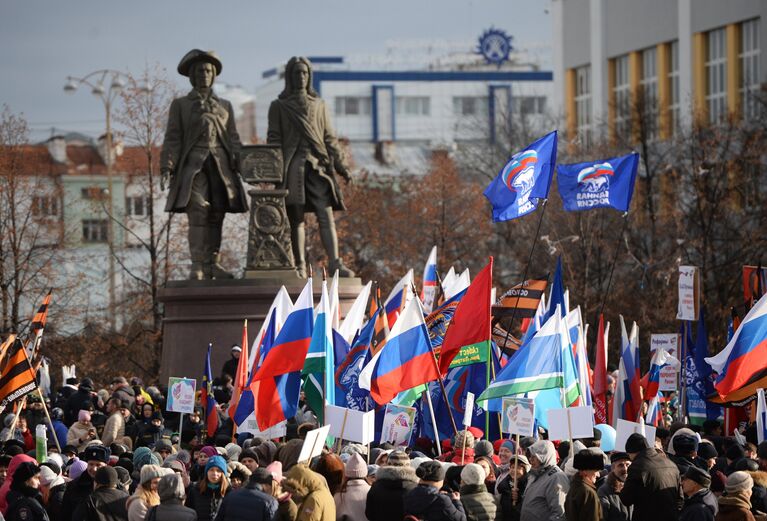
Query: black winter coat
<point>613,508</point>
<point>105,504</point>
<point>507,511</point>
<point>78,401</point>
<point>77,491</point>
<point>427,503</point>
<point>247,504</point>
<point>653,488</point>
<point>25,504</point>
<point>203,503</point>
<point>171,510</point>
<point>386,497</point>
<point>702,506</point>
<point>55,500</point>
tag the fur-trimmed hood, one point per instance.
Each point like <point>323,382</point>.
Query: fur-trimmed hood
<point>759,477</point>
<point>396,474</point>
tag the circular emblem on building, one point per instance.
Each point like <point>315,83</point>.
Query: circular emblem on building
<point>268,219</point>
<point>495,46</point>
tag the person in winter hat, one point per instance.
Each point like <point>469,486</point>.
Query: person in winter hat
<point>205,496</point>
<point>426,502</point>
<point>82,432</point>
<point>351,499</point>
<point>52,486</point>
<point>250,502</point>
<point>25,503</point>
<point>700,503</point>
<point>652,484</point>
<point>613,508</point>
<point>547,485</point>
<point>172,494</point>
<point>238,474</point>
<point>736,505</point>
<point>107,502</point>
<point>287,510</point>
<point>582,502</point>
<point>477,502</point>
<point>386,498</point>
<point>315,503</point>
<point>146,495</point>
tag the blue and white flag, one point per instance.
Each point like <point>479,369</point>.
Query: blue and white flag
<point>607,183</point>
<point>523,180</point>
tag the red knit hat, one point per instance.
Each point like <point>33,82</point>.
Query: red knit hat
<point>477,433</point>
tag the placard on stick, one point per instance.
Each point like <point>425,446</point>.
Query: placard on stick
<point>398,424</point>
<point>571,424</point>
<point>251,426</point>
<point>350,425</point>
<point>181,395</point>
<point>469,409</point>
<point>313,443</point>
<point>627,428</point>
<point>518,416</point>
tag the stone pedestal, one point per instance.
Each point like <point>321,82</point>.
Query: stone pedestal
<point>212,311</point>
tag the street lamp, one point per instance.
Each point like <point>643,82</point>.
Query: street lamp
<point>116,82</point>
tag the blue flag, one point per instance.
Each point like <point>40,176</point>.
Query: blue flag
<point>598,184</point>
<point>523,180</point>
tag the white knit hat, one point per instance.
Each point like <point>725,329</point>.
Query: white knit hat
<point>738,482</point>
<point>473,474</point>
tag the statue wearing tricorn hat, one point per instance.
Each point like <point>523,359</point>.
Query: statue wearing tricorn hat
<point>200,158</point>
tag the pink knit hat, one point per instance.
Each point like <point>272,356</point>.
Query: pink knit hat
<point>209,451</point>
<point>356,467</point>
<point>275,468</point>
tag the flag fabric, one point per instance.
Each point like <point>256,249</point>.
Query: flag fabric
<point>470,325</point>
<point>460,283</point>
<point>17,377</point>
<point>380,326</point>
<point>524,179</point>
<point>247,402</point>
<point>438,321</point>
<point>523,297</point>
<point>606,183</point>
<point>207,400</point>
<point>352,324</point>
<point>578,336</point>
<point>319,367</point>
<point>557,296</point>
<point>406,359</point>
<point>429,288</point>
<point>400,295</point>
<point>348,371</point>
<point>744,357</point>
<point>539,364</point>
<point>242,377</point>
<point>651,381</point>
<point>281,307</point>
<point>628,405</point>
<point>600,375</point>
<point>448,280</point>
<point>653,411</point>
<point>292,342</point>
<point>761,416</point>
<point>38,325</point>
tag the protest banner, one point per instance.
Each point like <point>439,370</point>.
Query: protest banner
<point>398,424</point>
<point>313,443</point>
<point>571,423</point>
<point>350,425</point>
<point>181,395</point>
<point>668,374</point>
<point>689,293</point>
<point>518,416</point>
<point>627,428</point>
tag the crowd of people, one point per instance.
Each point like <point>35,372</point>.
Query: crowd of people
<point>112,454</point>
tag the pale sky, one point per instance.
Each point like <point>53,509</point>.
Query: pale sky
<point>44,41</point>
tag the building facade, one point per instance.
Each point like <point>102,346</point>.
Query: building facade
<point>682,61</point>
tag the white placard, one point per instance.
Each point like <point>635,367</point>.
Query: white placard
<point>358,427</point>
<point>571,423</point>
<point>627,428</point>
<point>518,416</point>
<point>313,443</point>
<point>688,293</point>
<point>468,412</point>
<point>181,395</point>
<point>669,342</point>
<point>398,424</point>
<point>250,425</point>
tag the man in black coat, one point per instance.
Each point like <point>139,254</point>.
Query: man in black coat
<point>78,490</point>
<point>386,497</point>
<point>700,503</point>
<point>172,494</point>
<point>82,399</point>
<point>686,449</point>
<point>652,485</point>
<point>107,502</point>
<point>613,508</point>
<point>250,503</point>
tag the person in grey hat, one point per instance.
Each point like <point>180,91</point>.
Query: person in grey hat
<point>394,479</point>
<point>426,502</point>
<point>736,504</point>
<point>700,503</point>
<point>547,485</point>
<point>582,502</point>
<point>652,485</point>
<point>172,494</point>
<point>613,508</point>
<point>200,158</point>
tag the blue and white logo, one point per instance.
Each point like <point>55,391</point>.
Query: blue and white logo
<point>495,46</point>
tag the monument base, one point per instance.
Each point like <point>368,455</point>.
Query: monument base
<point>212,311</point>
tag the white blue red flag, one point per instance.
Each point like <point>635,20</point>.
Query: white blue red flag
<point>399,297</point>
<point>429,290</point>
<point>524,179</point>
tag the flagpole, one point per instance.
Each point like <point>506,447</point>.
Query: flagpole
<point>433,420</point>
<point>527,267</point>
<point>442,388</point>
<point>615,259</point>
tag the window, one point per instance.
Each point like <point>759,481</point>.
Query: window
<point>673,79</point>
<point>529,105</point>
<point>413,105</point>
<point>95,230</point>
<point>137,206</point>
<point>45,206</point>
<point>470,106</point>
<point>93,192</point>
<point>622,97</point>
<point>583,104</point>
<point>716,75</point>
<point>649,85</point>
<point>749,67</point>
<point>352,106</point>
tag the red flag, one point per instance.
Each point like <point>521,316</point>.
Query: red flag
<point>241,378</point>
<point>470,324</point>
<point>600,375</point>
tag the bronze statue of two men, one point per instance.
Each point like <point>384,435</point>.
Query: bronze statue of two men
<point>200,157</point>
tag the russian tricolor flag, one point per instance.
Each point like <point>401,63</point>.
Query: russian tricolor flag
<point>660,359</point>
<point>405,360</point>
<point>745,354</point>
<point>399,298</point>
<point>429,290</point>
<point>653,411</point>
<point>206,398</point>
